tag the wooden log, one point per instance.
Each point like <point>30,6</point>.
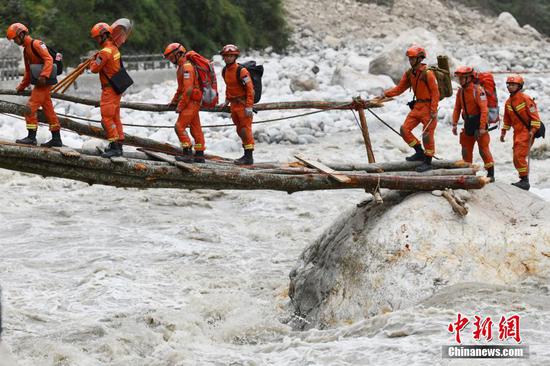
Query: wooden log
<point>95,170</point>
<point>399,166</point>
<point>170,160</point>
<point>366,136</point>
<point>149,107</point>
<point>93,131</point>
<point>455,204</point>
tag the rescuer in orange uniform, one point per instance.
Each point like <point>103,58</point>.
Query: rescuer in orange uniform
<point>187,101</point>
<point>239,93</point>
<point>36,52</point>
<point>424,107</point>
<point>472,102</point>
<point>520,112</point>
<point>107,64</point>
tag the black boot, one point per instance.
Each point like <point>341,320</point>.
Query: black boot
<point>186,157</point>
<point>246,159</point>
<point>523,183</point>
<point>199,157</point>
<point>114,149</point>
<point>55,141</point>
<point>29,140</point>
<point>418,155</point>
<point>491,174</point>
<point>426,165</point>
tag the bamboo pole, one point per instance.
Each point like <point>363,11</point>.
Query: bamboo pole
<point>150,107</point>
<point>128,173</point>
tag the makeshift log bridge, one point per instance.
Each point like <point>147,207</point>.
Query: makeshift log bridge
<point>155,166</point>
<point>158,170</point>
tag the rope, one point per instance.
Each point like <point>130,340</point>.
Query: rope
<point>210,126</point>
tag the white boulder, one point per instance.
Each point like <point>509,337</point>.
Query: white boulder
<point>356,82</point>
<point>392,60</point>
<point>381,258</point>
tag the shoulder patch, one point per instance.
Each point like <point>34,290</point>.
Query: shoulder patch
<point>43,46</point>
<point>186,75</point>
<point>246,79</point>
<point>98,60</point>
<point>532,109</point>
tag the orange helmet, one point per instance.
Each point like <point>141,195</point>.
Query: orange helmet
<point>14,30</point>
<point>99,29</point>
<point>416,51</point>
<point>230,49</point>
<point>514,79</point>
<point>172,48</point>
<point>465,71</point>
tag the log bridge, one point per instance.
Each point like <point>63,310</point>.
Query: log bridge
<point>154,164</point>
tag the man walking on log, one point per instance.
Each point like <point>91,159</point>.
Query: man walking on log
<point>107,63</point>
<point>520,112</point>
<point>187,101</point>
<point>36,52</point>
<point>239,94</point>
<point>472,102</point>
<point>423,107</point>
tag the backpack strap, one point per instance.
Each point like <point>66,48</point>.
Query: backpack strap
<point>464,102</point>
<point>409,73</point>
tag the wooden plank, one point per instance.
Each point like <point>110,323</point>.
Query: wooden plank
<point>342,178</point>
<point>170,159</point>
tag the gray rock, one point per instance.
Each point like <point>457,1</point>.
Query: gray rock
<point>376,258</point>
<point>303,84</point>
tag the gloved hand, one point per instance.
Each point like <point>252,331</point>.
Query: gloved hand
<point>502,135</point>
<point>455,130</point>
<point>41,81</point>
<point>482,131</point>
<point>223,105</point>
<point>19,90</point>
<point>433,115</point>
<point>249,112</point>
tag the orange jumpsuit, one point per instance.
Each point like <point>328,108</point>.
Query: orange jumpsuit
<point>240,96</point>
<point>107,64</point>
<point>189,96</point>
<point>475,100</point>
<point>40,95</point>
<point>527,109</point>
<point>424,86</point>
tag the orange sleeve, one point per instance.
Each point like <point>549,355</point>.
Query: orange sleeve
<point>403,85</point>
<point>42,50</point>
<point>188,82</point>
<point>249,86</point>
<point>27,77</point>
<point>434,91</point>
<point>179,91</point>
<point>100,60</point>
<point>507,120</point>
<point>533,113</point>
<point>481,101</point>
<point>458,107</point>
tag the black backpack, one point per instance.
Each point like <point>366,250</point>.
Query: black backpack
<point>57,57</point>
<point>256,72</point>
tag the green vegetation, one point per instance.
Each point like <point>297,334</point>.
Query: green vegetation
<point>202,25</point>
<point>533,12</point>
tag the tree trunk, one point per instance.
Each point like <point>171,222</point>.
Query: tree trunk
<point>149,107</point>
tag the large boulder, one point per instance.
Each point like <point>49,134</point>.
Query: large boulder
<point>357,82</point>
<point>392,60</point>
<point>381,258</point>
<point>9,49</point>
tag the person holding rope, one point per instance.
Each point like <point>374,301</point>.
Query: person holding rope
<point>471,100</point>
<point>520,112</point>
<point>423,107</point>
<point>239,94</point>
<point>187,101</point>
<point>107,63</point>
<point>36,52</point>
